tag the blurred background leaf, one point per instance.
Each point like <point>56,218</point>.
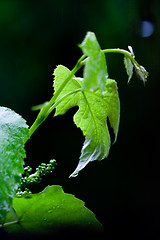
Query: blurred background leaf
<point>35,36</point>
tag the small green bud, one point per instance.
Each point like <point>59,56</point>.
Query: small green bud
<point>52,161</point>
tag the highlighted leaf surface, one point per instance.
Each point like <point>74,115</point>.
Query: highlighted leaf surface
<point>95,70</point>
<point>50,211</point>
<point>13,130</point>
<point>91,118</point>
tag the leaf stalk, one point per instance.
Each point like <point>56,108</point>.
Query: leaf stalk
<point>124,52</point>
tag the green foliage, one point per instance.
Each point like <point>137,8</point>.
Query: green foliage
<point>48,212</point>
<point>96,95</point>
<point>91,116</point>
<point>13,131</point>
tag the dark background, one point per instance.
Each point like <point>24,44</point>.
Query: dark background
<point>35,36</point>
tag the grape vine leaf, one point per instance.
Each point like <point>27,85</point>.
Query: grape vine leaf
<point>94,108</point>
<point>13,131</point>
<point>95,70</point>
<point>49,212</point>
<point>129,67</point>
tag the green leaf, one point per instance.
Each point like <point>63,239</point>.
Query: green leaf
<point>49,212</point>
<point>13,130</point>
<point>95,70</point>
<point>141,72</point>
<point>129,67</point>
<point>94,108</point>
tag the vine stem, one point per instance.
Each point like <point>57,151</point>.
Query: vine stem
<point>12,222</point>
<point>45,111</point>
<point>118,50</point>
<point>61,99</point>
<point>122,51</point>
<point>8,223</point>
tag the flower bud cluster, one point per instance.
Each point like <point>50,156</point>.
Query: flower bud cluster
<point>42,170</point>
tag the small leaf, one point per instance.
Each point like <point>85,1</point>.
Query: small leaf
<point>49,212</point>
<point>13,131</point>
<point>91,116</point>
<point>95,70</point>
<point>129,67</point>
<point>141,72</point>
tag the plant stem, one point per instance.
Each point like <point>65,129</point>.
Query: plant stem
<point>60,100</point>
<point>9,223</point>
<point>45,111</point>
<point>13,222</point>
<point>140,70</point>
<point>117,50</point>
<point>122,51</point>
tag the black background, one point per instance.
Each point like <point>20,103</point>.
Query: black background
<point>122,190</point>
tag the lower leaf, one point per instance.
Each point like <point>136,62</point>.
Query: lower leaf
<point>49,212</point>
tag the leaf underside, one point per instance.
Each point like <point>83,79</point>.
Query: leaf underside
<point>50,211</point>
<point>13,130</point>
<point>94,108</point>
